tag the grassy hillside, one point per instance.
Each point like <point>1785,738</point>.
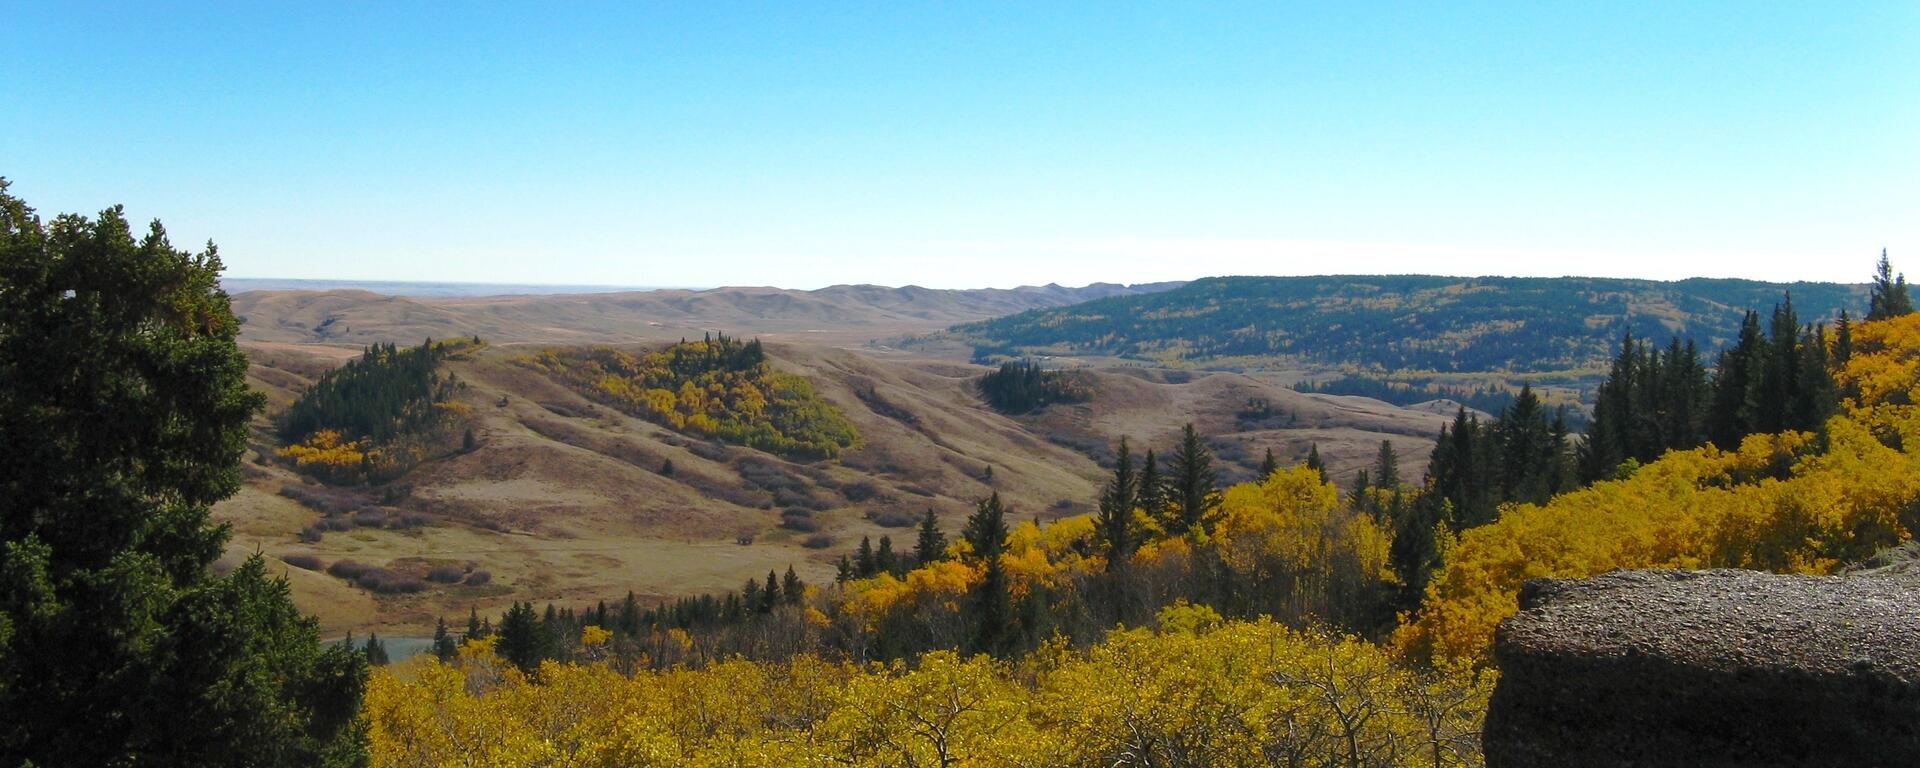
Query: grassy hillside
<point>562,497</point>
<point>841,314</point>
<point>1400,323</point>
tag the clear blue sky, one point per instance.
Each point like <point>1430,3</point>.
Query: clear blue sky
<point>974,144</point>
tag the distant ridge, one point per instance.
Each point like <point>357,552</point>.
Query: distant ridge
<point>839,314</point>
<point>415,289</point>
<point>1400,322</point>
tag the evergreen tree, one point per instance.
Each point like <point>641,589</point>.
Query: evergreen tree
<point>991,608</point>
<point>1843,341</point>
<point>1315,463</point>
<point>792,589</point>
<point>844,571</point>
<point>1269,465</point>
<point>1734,412</point>
<point>750,597</point>
<point>1888,296</point>
<point>124,412</point>
<point>444,648</point>
<point>1386,467</point>
<point>1192,486</point>
<point>1357,495</point>
<point>864,564</point>
<point>520,642</point>
<point>1780,372</point>
<point>1151,489</point>
<point>931,546</point>
<point>884,560</point>
<point>1113,523</point>
<point>1815,396</point>
<point>666,468</point>
<point>376,651</point>
<point>475,631</point>
<point>770,597</point>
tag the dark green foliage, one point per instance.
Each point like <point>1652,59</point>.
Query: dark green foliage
<point>865,564</point>
<point>1317,464</point>
<point>375,650</point>
<point>991,609</point>
<point>1386,466</point>
<point>792,588</point>
<point>444,647</point>
<point>1192,489</point>
<point>1023,387</point>
<point>666,468</point>
<point>390,399</point>
<point>521,640</point>
<point>123,412</point>
<point>1269,465</point>
<point>1411,391</point>
<point>884,560</point>
<point>1393,322</point>
<point>1888,296</point>
<point>931,545</point>
<point>1151,490</point>
<point>1113,526</point>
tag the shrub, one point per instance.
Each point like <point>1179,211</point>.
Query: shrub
<point>479,579</point>
<point>303,562</point>
<point>801,524</point>
<point>860,491</point>
<point>818,541</point>
<point>370,518</point>
<point>894,519</point>
<point>446,574</point>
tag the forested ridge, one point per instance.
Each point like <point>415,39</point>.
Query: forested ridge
<point>717,387</point>
<point>377,416</point>
<point>1400,323</point>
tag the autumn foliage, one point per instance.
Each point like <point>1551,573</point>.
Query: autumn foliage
<point>717,387</point>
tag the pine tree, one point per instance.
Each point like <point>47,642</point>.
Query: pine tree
<point>1843,341</point>
<point>864,564</point>
<point>1888,296</point>
<point>792,589</point>
<point>1315,463</point>
<point>444,647</point>
<point>124,411</point>
<point>991,608</point>
<point>474,630</point>
<point>931,546</point>
<point>1113,523</point>
<point>666,468</point>
<point>884,560</point>
<point>844,571</point>
<point>1386,467</point>
<point>1192,486</point>
<point>1269,465</point>
<point>376,651</point>
<point>1734,412</point>
<point>1151,489</point>
<point>520,642</point>
<point>770,597</point>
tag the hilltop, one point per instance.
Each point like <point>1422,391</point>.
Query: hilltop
<point>841,314</point>
<point>1395,323</point>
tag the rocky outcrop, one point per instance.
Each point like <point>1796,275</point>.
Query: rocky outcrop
<point>1709,668</point>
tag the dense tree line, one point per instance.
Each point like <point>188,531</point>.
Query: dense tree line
<point>1412,391</point>
<point>124,412</point>
<point>378,416</point>
<point>1024,386</point>
<point>1395,323</point>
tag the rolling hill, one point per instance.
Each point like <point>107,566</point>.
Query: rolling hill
<point>563,499</point>
<point>1395,323</point>
<point>842,314</point>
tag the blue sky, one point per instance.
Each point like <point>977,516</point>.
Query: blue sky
<point>976,144</point>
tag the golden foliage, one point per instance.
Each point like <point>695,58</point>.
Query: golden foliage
<point>1202,692</point>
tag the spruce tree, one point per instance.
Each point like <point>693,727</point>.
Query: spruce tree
<point>1269,465</point>
<point>1734,412</point>
<point>991,608</point>
<point>770,594</point>
<point>864,564</point>
<point>1386,467</point>
<point>444,648</point>
<point>1192,486</point>
<point>931,546</point>
<point>520,642</point>
<point>792,589</point>
<point>1151,489</point>
<point>1315,463</point>
<point>376,651</point>
<point>883,559</point>
<point>1113,523</point>
<point>124,412</point>
<point>1888,296</point>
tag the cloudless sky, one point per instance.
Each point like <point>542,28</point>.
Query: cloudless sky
<point>975,144</point>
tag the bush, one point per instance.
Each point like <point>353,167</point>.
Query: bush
<point>801,524</point>
<point>370,518</point>
<point>894,519</point>
<point>917,490</point>
<point>860,491</point>
<point>376,579</point>
<point>326,500</point>
<point>303,562</point>
<point>818,541</point>
<point>479,579</point>
<point>446,574</point>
